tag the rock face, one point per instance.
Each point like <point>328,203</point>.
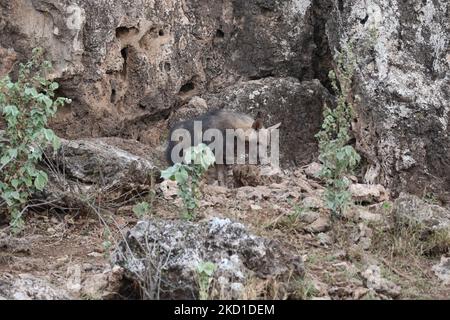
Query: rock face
<point>94,161</point>
<point>130,66</point>
<point>297,105</point>
<point>409,208</point>
<point>28,287</point>
<point>400,88</point>
<point>442,270</point>
<point>432,222</point>
<point>164,256</point>
<point>127,63</point>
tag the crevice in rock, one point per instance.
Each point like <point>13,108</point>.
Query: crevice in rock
<point>122,32</point>
<point>322,57</point>
<point>364,20</point>
<point>220,33</point>
<point>189,86</point>
<point>124,53</point>
<point>263,75</point>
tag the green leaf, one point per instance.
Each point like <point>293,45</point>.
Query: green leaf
<point>181,176</point>
<point>49,134</point>
<point>53,86</point>
<point>15,183</point>
<point>11,111</point>
<point>206,268</point>
<point>31,91</point>
<point>56,143</point>
<point>40,181</point>
<point>141,209</point>
<point>10,155</point>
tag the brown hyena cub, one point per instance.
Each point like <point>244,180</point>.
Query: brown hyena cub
<point>212,129</point>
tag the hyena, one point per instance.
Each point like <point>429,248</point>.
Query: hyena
<point>248,130</point>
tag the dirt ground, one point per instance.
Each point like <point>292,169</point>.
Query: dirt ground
<point>335,254</point>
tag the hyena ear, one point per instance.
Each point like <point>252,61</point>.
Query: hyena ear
<point>257,124</point>
<point>275,126</point>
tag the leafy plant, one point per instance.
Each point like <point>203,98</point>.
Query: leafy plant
<point>337,157</point>
<point>205,271</point>
<point>141,209</point>
<point>188,176</point>
<point>26,105</point>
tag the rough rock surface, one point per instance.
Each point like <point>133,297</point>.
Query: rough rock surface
<point>442,270</point>
<point>368,193</point>
<point>127,63</point>
<point>94,161</point>
<point>400,88</point>
<point>29,287</point>
<point>171,251</point>
<point>375,281</point>
<point>410,208</point>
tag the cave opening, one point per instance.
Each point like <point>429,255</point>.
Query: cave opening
<point>187,87</point>
<point>122,32</point>
<point>124,53</point>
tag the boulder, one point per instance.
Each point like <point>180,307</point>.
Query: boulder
<point>374,280</point>
<point>127,64</point>
<point>94,161</point>
<point>413,210</point>
<point>399,92</point>
<point>368,193</point>
<point>442,270</point>
<point>164,258</point>
<point>430,221</point>
<point>297,105</point>
<point>29,287</point>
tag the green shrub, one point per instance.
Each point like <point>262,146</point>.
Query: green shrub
<point>205,272</point>
<point>188,176</point>
<point>337,157</point>
<point>26,105</point>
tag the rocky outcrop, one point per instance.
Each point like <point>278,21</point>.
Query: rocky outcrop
<point>297,105</point>
<point>126,64</point>
<point>98,161</point>
<point>429,221</point>
<point>29,287</point>
<point>130,66</point>
<point>164,258</point>
<point>416,211</point>
<point>400,88</point>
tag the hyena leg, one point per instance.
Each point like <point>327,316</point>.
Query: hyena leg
<point>221,170</point>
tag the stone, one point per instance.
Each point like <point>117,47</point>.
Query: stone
<point>313,202</point>
<point>312,170</point>
<point>322,224</point>
<point>128,64</point>
<point>308,216</point>
<point>400,90</point>
<point>29,287</point>
<point>103,285</point>
<point>94,161</point>
<point>442,270</point>
<point>374,280</point>
<point>173,250</point>
<point>410,209</point>
<point>255,207</point>
<point>367,216</point>
<point>368,193</point>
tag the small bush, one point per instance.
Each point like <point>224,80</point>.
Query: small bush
<point>188,176</point>
<point>26,105</point>
<point>337,157</point>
